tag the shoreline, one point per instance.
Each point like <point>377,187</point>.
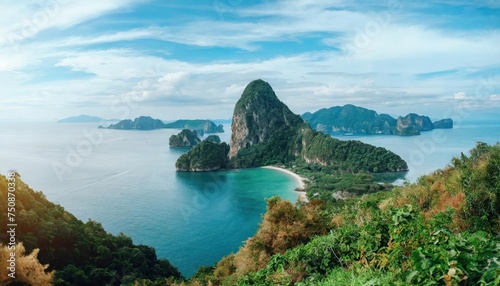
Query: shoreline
<point>298,178</point>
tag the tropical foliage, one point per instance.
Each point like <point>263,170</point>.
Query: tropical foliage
<point>80,253</point>
<point>206,156</point>
<point>300,144</point>
<point>442,230</point>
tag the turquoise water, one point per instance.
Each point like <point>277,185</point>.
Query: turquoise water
<point>127,181</point>
<point>433,149</point>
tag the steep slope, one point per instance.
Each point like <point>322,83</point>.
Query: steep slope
<point>257,115</point>
<point>266,132</point>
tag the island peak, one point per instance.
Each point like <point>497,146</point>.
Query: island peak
<point>266,132</point>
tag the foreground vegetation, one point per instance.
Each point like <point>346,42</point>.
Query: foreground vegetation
<point>442,230</point>
<point>66,251</point>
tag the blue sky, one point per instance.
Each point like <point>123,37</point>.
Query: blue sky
<point>192,59</point>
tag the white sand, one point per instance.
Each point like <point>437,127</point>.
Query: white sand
<point>299,179</point>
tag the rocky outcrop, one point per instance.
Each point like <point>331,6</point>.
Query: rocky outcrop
<point>443,123</point>
<point>412,124</point>
<point>186,138</point>
<point>257,115</point>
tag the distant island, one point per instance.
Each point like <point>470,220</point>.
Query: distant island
<point>351,119</point>
<point>140,123</point>
<point>266,132</point>
<point>206,126</point>
<point>84,118</point>
<point>149,123</point>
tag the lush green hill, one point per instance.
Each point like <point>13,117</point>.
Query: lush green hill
<point>204,157</point>
<point>354,119</point>
<point>80,253</point>
<point>442,230</point>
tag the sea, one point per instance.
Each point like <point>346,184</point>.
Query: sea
<point>127,181</point>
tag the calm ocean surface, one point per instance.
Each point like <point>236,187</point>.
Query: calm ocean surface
<point>127,181</point>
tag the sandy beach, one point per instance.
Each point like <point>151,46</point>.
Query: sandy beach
<point>299,179</point>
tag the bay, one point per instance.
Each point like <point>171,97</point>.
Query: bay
<point>127,181</point>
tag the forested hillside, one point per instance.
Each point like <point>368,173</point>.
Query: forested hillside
<point>442,230</point>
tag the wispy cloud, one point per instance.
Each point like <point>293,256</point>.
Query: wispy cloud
<point>314,53</point>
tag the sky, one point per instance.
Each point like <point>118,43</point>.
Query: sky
<point>181,59</point>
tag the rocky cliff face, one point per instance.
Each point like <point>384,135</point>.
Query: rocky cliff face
<point>412,124</point>
<point>257,115</point>
<point>186,138</point>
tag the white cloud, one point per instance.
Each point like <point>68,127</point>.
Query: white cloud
<point>459,95</point>
<point>379,73</point>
